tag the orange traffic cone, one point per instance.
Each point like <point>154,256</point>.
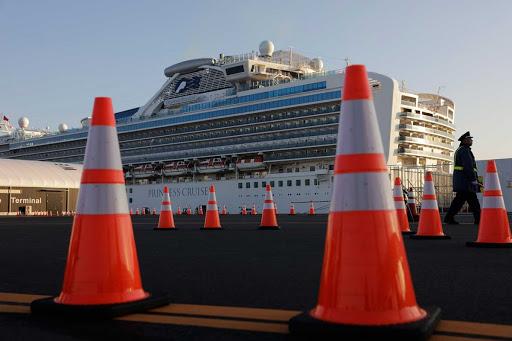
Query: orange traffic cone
<point>268,215</point>
<point>131,211</point>
<point>224,210</point>
<point>366,291</point>
<point>494,228</point>
<point>212,220</point>
<point>154,211</point>
<point>311,209</point>
<point>137,212</point>
<point>401,213</point>
<point>166,220</point>
<point>292,210</point>
<point>178,212</point>
<point>430,226</point>
<point>189,211</point>
<point>244,210</point>
<point>253,211</point>
<point>102,277</point>
<point>411,205</point>
<point>200,211</point>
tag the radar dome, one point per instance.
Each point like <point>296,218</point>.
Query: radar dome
<point>266,48</point>
<point>316,64</point>
<point>23,122</point>
<point>63,127</point>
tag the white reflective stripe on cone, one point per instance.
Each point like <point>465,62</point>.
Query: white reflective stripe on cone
<point>411,201</point>
<point>165,208</point>
<point>428,188</point>
<point>268,196</point>
<point>102,151</point>
<point>268,206</point>
<point>358,116</point>
<point>399,205</point>
<point>212,197</point>
<point>102,199</point>
<point>429,205</point>
<point>166,197</point>
<point>212,207</point>
<point>493,202</point>
<point>492,182</point>
<point>361,192</point>
<point>397,191</point>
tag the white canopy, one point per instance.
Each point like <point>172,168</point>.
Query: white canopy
<point>22,173</point>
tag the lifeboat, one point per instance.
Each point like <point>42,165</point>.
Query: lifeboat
<point>175,168</point>
<point>251,164</point>
<point>143,171</point>
<point>214,165</point>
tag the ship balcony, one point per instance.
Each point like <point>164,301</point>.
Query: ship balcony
<point>421,129</point>
<point>429,119</point>
<point>422,153</point>
<point>425,142</point>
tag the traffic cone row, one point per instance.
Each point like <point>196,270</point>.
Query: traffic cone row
<point>366,289</point>
<point>102,276</point>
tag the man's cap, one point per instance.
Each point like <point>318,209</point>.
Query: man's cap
<point>466,134</point>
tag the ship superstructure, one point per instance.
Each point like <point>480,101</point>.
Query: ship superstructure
<point>267,116</point>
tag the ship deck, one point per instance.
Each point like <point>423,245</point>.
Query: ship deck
<point>241,283</point>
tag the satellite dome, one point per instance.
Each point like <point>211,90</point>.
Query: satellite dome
<point>63,127</point>
<point>316,64</point>
<point>85,121</point>
<point>266,48</point>
<point>23,122</point>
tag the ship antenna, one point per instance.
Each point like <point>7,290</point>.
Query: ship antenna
<point>347,61</point>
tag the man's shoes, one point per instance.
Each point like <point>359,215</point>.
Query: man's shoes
<point>451,222</point>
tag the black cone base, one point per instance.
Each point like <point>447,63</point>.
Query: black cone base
<point>489,245</point>
<point>269,228</point>
<point>164,228</point>
<point>415,236</point>
<point>305,327</point>
<point>211,228</point>
<point>47,307</point>
<point>408,232</point>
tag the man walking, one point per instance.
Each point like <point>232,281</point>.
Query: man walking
<point>465,181</point>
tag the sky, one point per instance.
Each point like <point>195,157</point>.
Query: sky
<point>56,56</point>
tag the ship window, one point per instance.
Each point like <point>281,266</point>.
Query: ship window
<point>312,168</point>
<point>297,182</point>
<point>234,69</point>
<point>130,200</point>
<point>130,190</point>
<point>297,169</point>
<point>263,184</point>
<point>288,183</point>
<point>255,184</point>
<point>280,183</point>
<point>307,182</point>
<point>247,185</point>
<point>331,167</point>
<point>315,182</point>
<point>272,183</point>
<point>240,185</point>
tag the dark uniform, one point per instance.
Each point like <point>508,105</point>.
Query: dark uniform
<point>465,182</point>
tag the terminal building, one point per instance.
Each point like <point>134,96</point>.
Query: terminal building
<point>27,187</point>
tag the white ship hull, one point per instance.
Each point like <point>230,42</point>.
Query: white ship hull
<point>194,194</point>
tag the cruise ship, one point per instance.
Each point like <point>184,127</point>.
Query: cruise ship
<point>243,121</point>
